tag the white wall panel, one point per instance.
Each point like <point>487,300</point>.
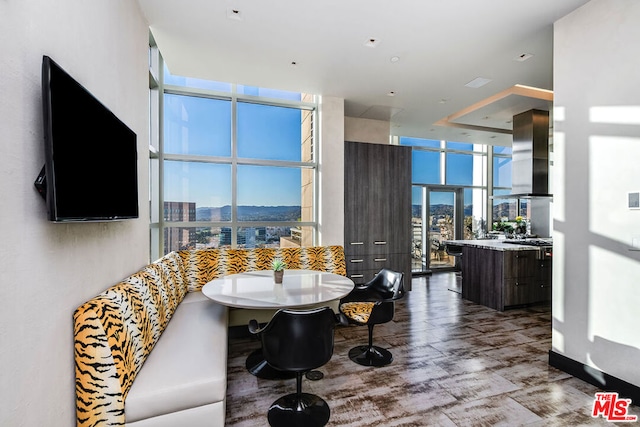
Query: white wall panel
<point>595,296</point>
<point>331,171</point>
<point>47,269</point>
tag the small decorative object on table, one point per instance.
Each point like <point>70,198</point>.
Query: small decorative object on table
<point>278,267</point>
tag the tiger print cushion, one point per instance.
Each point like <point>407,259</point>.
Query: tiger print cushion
<point>357,311</point>
<point>115,332</point>
<point>99,399</point>
<point>203,265</point>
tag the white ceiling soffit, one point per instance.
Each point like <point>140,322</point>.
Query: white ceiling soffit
<point>496,112</point>
<point>379,112</point>
<point>425,52</point>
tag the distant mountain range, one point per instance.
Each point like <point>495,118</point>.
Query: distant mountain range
<point>504,209</point>
<point>293,213</point>
<point>250,213</point>
<point>439,210</point>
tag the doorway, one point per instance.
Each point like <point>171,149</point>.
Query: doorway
<point>437,215</point>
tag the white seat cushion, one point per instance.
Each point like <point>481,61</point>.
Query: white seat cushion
<point>188,366</point>
<point>202,416</point>
<point>196,296</point>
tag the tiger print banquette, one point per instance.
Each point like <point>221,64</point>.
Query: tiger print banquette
<point>161,308</point>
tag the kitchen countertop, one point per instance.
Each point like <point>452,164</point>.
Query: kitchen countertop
<point>493,244</point>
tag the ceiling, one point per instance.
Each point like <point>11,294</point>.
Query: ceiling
<point>422,51</point>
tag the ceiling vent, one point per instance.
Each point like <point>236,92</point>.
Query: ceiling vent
<point>478,82</point>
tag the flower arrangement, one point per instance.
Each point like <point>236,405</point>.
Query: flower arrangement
<point>517,226</point>
<point>504,226</point>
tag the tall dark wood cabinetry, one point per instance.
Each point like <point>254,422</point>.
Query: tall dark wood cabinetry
<point>377,223</point>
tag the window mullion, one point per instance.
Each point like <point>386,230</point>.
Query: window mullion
<point>234,167</point>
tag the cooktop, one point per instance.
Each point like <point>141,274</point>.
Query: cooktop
<point>530,242</point>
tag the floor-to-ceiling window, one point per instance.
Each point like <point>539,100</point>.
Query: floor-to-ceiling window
<point>503,208</point>
<point>231,165</point>
<point>450,197</point>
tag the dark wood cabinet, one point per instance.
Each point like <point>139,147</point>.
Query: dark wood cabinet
<point>377,218</point>
<point>503,279</point>
<point>519,277</point>
<point>482,276</point>
<point>544,274</point>
<point>519,264</point>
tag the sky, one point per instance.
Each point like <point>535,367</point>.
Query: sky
<point>202,127</point>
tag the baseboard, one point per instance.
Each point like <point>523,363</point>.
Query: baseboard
<point>421,273</point>
<point>595,377</point>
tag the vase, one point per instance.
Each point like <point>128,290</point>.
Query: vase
<point>277,276</point>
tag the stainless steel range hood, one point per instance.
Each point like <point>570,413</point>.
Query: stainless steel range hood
<point>530,158</point>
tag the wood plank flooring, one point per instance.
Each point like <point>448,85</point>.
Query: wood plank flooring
<point>455,364</point>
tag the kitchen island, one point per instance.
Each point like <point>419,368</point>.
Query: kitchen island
<point>504,274</point>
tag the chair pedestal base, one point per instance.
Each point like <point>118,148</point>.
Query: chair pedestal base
<point>303,410</point>
<point>370,356</point>
<point>259,367</point>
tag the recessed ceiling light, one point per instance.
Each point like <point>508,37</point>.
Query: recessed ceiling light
<point>478,82</point>
<point>522,57</point>
<point>234,14</point>
<point>395,58</point>
<point>372,42</point>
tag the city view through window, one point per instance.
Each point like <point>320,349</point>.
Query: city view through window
<point>450,196</point>
<point>235,167</point>
<point>439,225</point>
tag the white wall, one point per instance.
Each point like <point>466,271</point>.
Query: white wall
<point>331,172</point>
<point>366,130</point>
<point>596,296</point>
<point>46,269</point>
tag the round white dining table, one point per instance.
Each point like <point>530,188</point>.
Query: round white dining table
<point>258,290</point>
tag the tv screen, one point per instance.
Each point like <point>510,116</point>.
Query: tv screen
<point>90,171</point>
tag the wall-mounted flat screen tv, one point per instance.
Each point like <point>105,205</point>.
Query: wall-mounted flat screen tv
<point>90,171</point>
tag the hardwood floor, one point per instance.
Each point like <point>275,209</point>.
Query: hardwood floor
<point>455,364</point>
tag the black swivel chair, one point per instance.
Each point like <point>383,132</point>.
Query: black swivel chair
<point>298,341</point>
<point>371,304</point>
<point>456,252</point>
